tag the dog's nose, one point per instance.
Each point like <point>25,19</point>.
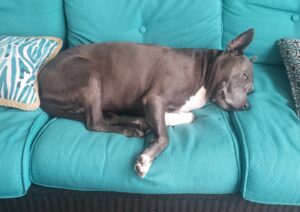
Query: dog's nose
<point>251,89</point>
<point>246,106</point>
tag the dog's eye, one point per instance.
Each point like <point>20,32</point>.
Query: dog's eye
<point>221,94</point>
<point>245,77</point>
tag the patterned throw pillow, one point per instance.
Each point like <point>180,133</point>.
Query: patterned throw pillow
<point>290,51</point>
<point>20,60</point>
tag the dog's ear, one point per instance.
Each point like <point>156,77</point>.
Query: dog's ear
<point>241,42</point>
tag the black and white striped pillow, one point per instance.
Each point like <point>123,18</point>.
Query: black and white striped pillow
<point>20,60</point>
<point>290,52</point>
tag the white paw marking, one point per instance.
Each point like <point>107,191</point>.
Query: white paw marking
<point>143,165</point>
<point>177,118</point>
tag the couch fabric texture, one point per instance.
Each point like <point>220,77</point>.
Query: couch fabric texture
<point>254,152</point>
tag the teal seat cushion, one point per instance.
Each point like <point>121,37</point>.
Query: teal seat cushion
<point>272,20</point>
<point>201,158</point>
<point>32,18</point>
<point>17,132</point>
<point>176,23</point>
<point>270,136</point>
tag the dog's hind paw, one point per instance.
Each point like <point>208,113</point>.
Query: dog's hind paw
<point>143,165</point>
<point>132,132</point>
<point>144,126</point>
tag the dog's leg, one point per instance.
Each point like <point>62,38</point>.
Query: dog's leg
<point>131,121</point>
<point>94,116</point>
<point>154,107</point>
<point>95,122</point>
<point>177,118</point>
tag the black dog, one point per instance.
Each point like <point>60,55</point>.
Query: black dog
<point>99,83</point>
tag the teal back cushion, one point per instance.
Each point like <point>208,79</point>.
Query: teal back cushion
<point>176,23</point>
<point>32,18</point>
<point>272,20</point>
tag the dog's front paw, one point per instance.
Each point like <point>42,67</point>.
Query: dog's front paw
<point>132,132</point>
<point>143,165</point>
<point>178,118</point>
<point>192,117</point>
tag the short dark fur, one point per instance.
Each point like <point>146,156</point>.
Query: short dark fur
<point>101,83</point>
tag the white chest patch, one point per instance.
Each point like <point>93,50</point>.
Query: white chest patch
<point>194,102</point>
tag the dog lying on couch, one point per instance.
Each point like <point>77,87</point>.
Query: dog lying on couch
<point>131,88</point>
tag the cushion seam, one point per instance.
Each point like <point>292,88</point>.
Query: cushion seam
<point>241,135</point>
<point>23,152</point>
<point>233,138</point>
<point>34,144</point>
<point>222,24</point>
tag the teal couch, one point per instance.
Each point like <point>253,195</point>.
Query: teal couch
<point>255,153</point>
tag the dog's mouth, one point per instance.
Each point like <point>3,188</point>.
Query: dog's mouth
<point>231,105</point>
<point>235,108</point>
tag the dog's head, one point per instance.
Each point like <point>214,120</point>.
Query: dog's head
<point>234,75</point>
